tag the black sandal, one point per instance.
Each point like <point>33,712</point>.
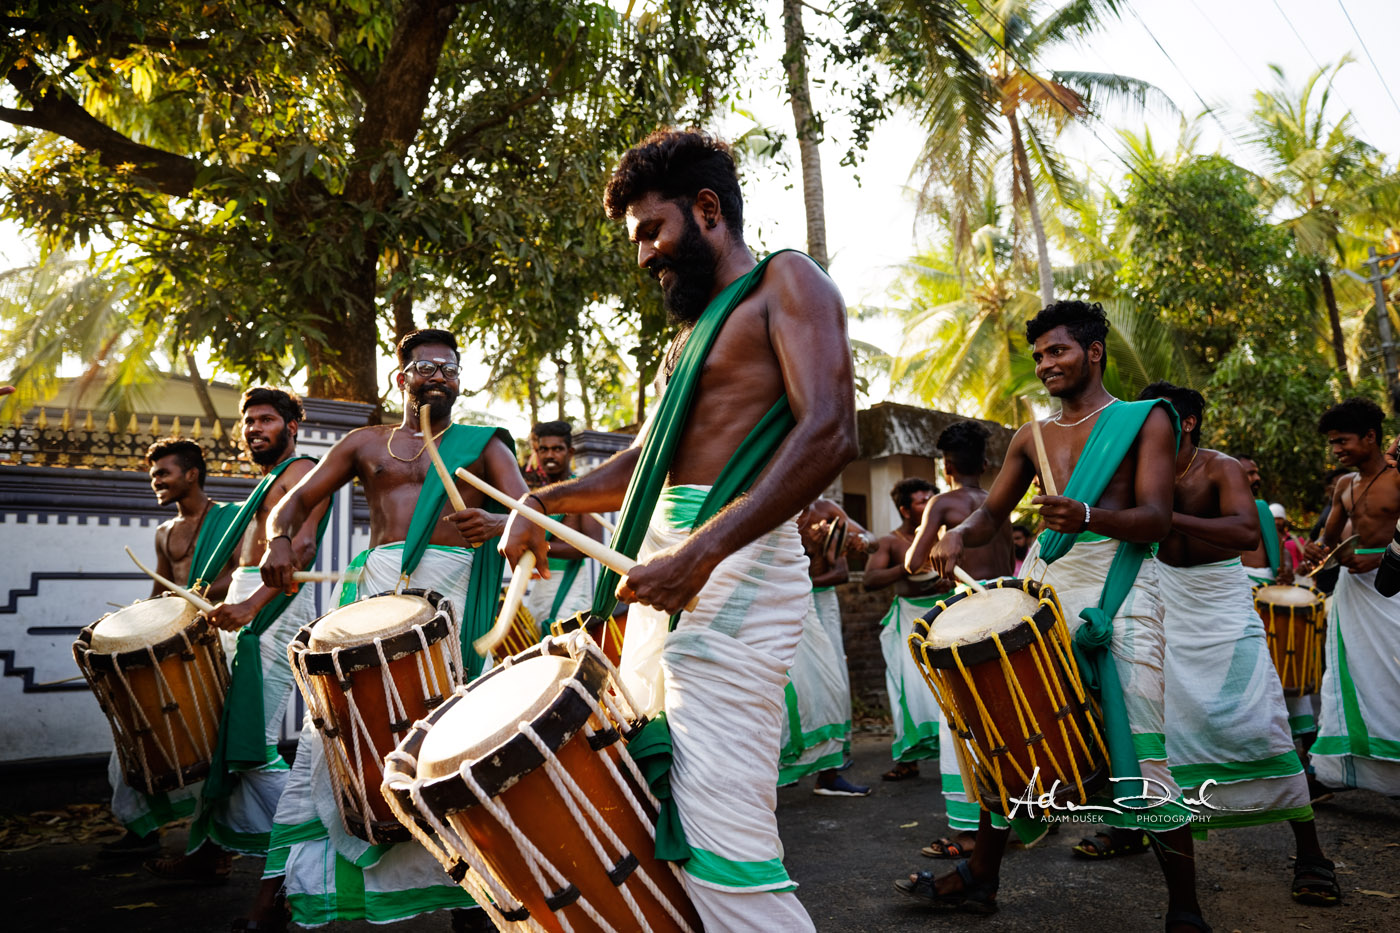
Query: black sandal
<point>1315,882</point>
<point>976,897</point>
<point>1117,847</point>
<point>1178,917</point>
<point>902,771</point>
<point>950,848</point>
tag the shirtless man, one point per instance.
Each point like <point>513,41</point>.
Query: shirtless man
<point>964,448</point>
<point>235,810</point>
<point>1226,721</point>
<point>1266,561</point>
<point>782,348</point>
<point>1359,723</point>
<point>1126,485</point>
<point>913,707</point>
<point>416,536</point>
<point>552,444</point>
<point>177,475</point>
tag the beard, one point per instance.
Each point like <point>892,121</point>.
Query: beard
<point>693,275</point>
<point>438,408</point>
<point>276,447</point>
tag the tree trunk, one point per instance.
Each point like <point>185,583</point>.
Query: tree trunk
<point>201,389</point>
<point>1334,317</point>
<point>641,401</point>
<point>561,371</point>
<point>1042,249</point>
<point>346,365</point>
<point>808,126</point>
<point>401,302</point>
<point>581,371</point>
<point>532,385</point>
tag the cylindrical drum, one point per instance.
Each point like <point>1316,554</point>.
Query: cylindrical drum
<point>541,813</point>
<point>368,670</point>
<point>1000,665</point>
<point>606,633</point>
<point>158,672</point>
<point>1295,620</point>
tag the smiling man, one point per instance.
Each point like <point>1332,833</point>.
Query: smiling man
<point>1358,739</point>
<point>757,418</point>
<point>569,587</point>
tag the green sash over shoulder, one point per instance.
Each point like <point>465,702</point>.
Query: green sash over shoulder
<point>1113,436</point>
<point>652,746</point>
<point>460,446</point>
<point>241,743</point>
<point>1269,532</point>
<point>217,520</point>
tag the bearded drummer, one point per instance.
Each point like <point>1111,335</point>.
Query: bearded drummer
<point>1226,719</point>
<point>417,540</point>
<point>177,470</point>
<point>757,418</point>
<point>1114,461</point>
<point>238,799</point>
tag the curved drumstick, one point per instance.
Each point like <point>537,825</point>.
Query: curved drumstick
<point>608,526</point>
<point>203,605</point>
<point>613,560</point>
<point>453,496</point>
<point>326,576</point>
<point>971,581</point>
<point>515,593</point>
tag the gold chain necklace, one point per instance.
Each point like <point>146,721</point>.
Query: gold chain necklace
<point>1057,418</point>
<point>1189,463</point>
<point>389,445</point>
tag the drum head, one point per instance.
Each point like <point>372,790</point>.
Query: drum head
<point>977,616</point>
<point>141,625</point>
<point>491,712</point>
<point>1282,594</point>
<point>361,622</point>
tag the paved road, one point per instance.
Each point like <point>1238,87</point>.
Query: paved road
<point>846,854</point>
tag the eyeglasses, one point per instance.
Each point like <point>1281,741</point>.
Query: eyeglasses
<point>426,368</point>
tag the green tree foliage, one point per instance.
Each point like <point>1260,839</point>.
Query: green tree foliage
<point>285,178</point>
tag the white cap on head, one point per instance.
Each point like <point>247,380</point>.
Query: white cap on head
<point>1278,511</point>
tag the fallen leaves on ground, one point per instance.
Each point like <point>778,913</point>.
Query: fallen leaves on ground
<point>77,822</point>
<point>1377,893</point>
<point>136,906</point>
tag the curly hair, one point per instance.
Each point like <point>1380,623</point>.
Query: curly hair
<point>186,452</point>
<point>1357,416</point>
<point>285,403</point>
<point>964,445</point>
<point>554,429</point>
<point>677,165</point>
<point>416,338</point>
<point>1188,404</point>
<point>904,490</point>
<point>1087,323</point>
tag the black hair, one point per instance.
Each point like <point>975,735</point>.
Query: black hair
<point>1188,403</point>
<point>964,445</point>
<point>1354,416</point>
<point>1022,529</point>
<point>903,491</point>
<point>285,403</point>
<point>677,165</point>
<point>1331,476</point>
<point>554,429</point>
<point>186,452</point>
<point>417,338</point>
<point>1087,323</point>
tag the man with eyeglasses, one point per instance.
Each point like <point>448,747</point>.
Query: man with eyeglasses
<point>416,541</point>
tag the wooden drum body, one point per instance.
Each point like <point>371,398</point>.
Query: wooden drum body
<point>542,814</point>
<point>159,674</point>
<point>368,671</point>
<point>1295,621</point>
<point>1000,665</point>
<point>524,632</point>
<point>606,633</point>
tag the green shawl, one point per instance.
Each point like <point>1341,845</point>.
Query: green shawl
<point>217,520</point>
<point>1269,532</point>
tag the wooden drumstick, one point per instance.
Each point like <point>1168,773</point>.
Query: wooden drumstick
<point>971,581</point>
<point>608,526</point>
<point>203,605</point>
<point>1047,479</point>
<point>327,576</point>
<point>613,560</point>
<point>515,593</point>
<point>453,495</point>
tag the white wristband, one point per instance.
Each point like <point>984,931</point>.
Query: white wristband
<point>1086,517</point>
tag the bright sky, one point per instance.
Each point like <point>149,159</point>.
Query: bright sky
<point>1219,51</point>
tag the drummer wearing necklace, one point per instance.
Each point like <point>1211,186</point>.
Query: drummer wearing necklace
<point>416,541</point>
<point>1358,739</point>
<point>1114,462</point>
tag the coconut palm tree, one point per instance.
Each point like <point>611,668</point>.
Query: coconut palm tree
<point>1030,104</point>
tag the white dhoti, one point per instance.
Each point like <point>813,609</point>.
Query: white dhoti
<point>330,874</point>
<point>543,594</point>
<point>913,706</point>
<point>817,725</point>
<point>1358,736</point>
<point>720,676</point>
<point>1226,721</point>
<point>143,813</point>
<point>1138,648</point>
<point>243,822</point>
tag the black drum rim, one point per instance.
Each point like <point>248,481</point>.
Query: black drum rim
<point>1012,640</point>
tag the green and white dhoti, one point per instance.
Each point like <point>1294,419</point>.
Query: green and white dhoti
<point>912,704</point>
<point>330,874</point>
<point>817,726</point>
<point>1225,717</point>
<point>1358,736</point>
<point>545,601</point>
<point>719,677</point>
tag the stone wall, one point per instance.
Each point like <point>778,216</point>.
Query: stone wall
<point>861,613</point>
